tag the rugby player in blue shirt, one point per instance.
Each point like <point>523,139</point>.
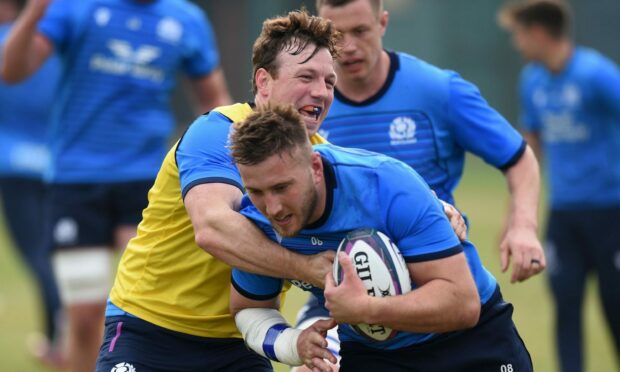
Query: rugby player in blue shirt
<point>398,105</point>
<point>453,320</point>
<point>24,117</point>
<point>110,128</point>
<point>570,109</point>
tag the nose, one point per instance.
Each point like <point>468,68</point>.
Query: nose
<point>319,89</point>
<point>273,207</point>
<point>348,44</point>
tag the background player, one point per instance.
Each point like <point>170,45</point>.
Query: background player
<point>302,194</point>
<point>110,129</point>
<point>570,104</point>
<point>24,115</point>
<point>169,306</point>
<point>396,104</point>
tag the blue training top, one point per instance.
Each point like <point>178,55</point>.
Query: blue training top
<point>112,119</point>
<point>24,116</point>
<point>371,190</point>
<point>428,118</point>
<point>577,114</point>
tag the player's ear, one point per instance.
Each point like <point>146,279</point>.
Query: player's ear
<point>317,168</point>
<point>384,19</point>
<point>263,82</point>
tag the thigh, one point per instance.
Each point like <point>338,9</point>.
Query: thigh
<point>128,200</point>
<point>147,347</point>
<point>78,216</point>
<point>22,201</point>
<point>567,264</point>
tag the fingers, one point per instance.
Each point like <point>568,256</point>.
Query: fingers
<point>347,267</point>
<point>504,256</point>
<point>324,325</point>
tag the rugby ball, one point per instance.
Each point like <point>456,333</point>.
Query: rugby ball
<point>381,268</point>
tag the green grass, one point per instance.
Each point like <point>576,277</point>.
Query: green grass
<point>482,194</point>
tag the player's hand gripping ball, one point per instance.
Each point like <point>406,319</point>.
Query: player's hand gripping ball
<point>382,269</point>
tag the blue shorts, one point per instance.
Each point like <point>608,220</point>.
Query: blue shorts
<point>86,215</point>
<point>493,345</point>
<point>147,347</point>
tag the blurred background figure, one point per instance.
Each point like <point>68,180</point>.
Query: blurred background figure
<point>24,115</point>
<point>570,110</point>
<point>110,129</point>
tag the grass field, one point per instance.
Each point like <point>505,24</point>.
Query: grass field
<point>482,195</point>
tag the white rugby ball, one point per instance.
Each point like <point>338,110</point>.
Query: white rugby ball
<point>381,268</point>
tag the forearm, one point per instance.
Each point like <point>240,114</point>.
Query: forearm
<point>232,238</point>
<point>19,51</point>
<point>437,306</point>
<point>524,185</point>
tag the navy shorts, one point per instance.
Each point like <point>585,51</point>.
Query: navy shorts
<point>130,341</point>
<point>83,215</point>
<point>492,346</point>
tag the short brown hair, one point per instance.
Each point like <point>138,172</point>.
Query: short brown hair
<point>271,130</point>
<point>291,33</point>
<point>377,5</point>
<point>553,15</point>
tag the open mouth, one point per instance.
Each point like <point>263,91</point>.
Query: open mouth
<point>311,111</point>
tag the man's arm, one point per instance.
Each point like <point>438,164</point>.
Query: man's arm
<point>266,332</point>
<point>25,49</point>
<point>210,91</point>
<point>227,235</point>
<point>520,242</point>
<point>446,298</point>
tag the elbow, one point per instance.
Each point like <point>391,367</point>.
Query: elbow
<point>205,238</point>
<point>470,313</point>
<point>8,77</point>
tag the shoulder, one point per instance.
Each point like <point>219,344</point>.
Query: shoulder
<point>412,66</point>
<point>235,112</point>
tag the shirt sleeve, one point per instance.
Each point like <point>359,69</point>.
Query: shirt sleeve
<point>203,156</point>
<point>527,113</point>
<point>201,55</point>
<point>478,128</point>
<point>606,85</point>
<point>59,22</point>
<point>414,216</point>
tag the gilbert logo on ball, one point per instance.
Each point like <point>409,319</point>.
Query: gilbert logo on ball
<point>382,269</point>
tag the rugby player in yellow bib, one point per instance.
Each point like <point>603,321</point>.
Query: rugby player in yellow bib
<point>168,309</point>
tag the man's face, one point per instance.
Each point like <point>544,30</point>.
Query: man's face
<point>527,41</point>
<point>284,189</point>
<point>305,82</point>
<point>363,30</point>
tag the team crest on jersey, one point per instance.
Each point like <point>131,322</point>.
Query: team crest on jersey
<point>123,367</point>
<point>402,131</point>
<point>102,16</point>
<point>170,30</point>
<point>127,61</point>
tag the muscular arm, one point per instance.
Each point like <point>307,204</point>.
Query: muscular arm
<point>446,298</point>
<point>210,91</point>
<point>227,235</point>
<point>520,242</point>
<point>25,48</point>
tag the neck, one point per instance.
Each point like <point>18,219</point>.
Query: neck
<point>558,56</point>
<point>321,202</point>
<point>361,89</point>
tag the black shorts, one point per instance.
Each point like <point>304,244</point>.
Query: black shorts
<point>84,215</point>
<point>130,341</point>
<point>492,346</point>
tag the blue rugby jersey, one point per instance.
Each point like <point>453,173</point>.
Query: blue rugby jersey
<point>112,119</point>
<point>369,190</point>
<point>24,117</point>
<point>576,112</point>
<point>428,118</point>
